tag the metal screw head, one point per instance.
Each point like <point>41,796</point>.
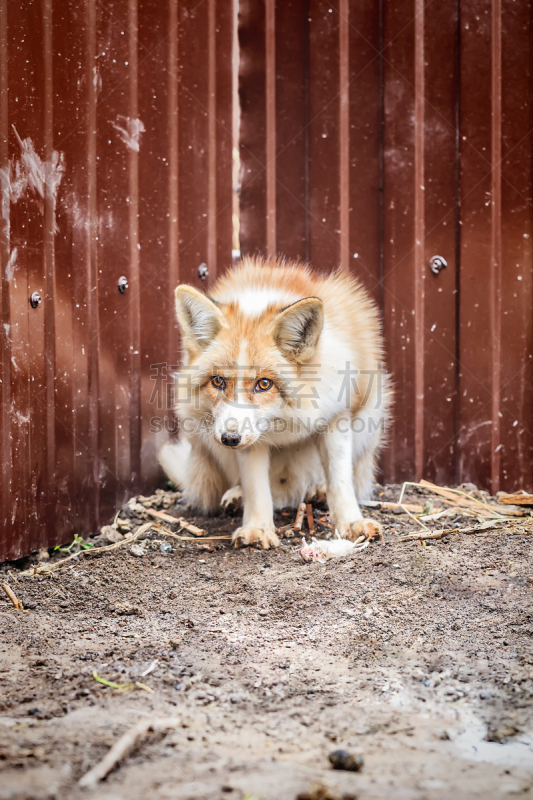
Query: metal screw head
<point>122,284</point>
<point>203,272</point>
<point>35,299</point>
<point>437,263</point>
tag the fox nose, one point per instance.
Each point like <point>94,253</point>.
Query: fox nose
<point>230,439</point>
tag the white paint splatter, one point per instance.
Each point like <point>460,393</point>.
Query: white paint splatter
<point>10,268</point>
<point>30,174</point>
<point>97,80</point>
<point>74,211</point>
<point>129,131</point>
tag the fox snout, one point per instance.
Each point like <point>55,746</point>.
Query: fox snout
<point>238,431</point>
<point>230,439</point>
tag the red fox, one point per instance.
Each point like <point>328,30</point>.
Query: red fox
<point>282,394</point>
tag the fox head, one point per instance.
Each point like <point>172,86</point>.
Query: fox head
<point>244,375</point>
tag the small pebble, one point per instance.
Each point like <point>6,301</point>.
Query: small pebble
<point>111,534</point>
<point>166,547</point>
<point>342,759</point>
<point>137,550</point>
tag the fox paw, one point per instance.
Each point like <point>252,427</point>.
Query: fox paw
<point>260,537</point>
<point>367,528</point>
<point>232,500</point>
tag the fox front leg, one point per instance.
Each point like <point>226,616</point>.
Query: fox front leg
<point>336,450</point>
<point>258,515</point>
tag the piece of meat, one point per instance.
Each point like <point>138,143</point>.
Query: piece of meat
<point>322,550</point>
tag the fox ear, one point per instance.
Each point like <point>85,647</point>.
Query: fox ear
<point>199,318</point>
<point>297,328</point>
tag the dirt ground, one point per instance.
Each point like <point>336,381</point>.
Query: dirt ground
<point>419,658</point>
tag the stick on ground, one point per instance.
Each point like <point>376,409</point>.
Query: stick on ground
<point>123,746</point>
<point>187,526</point>
<point>517,499</point>
<point>485,526</point>
<point>299,521</point>
<point>310,519</point>
<point>381,505</point>
<point>12,596</point>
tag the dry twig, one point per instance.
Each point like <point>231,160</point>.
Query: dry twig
<point>517,499</point>
<point>462,502</point>
<point>415,535</point>
<point>12,596</point>
<point>382,506</point>
<point>181,521</point>
<point>298,522</point>
<point>285,530</point>
<point>310,520</point>
<point>123,746</point>
<point>459,498</point>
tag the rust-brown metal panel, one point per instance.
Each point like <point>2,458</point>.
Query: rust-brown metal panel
<point>88,459</point>
<point>274,95</point>
<point>403,276</point>
<point>136,120</point>
<point>291,133</point>
<point>155,38</point>
<point>63,74</point>
<point>221,135</point>
<point>516,433</point>
<point>76,447</point>
<point>252,135</point>
<point>193,141</point>
<point>440,195</point>
<point>6,465</point>
<point>132,359</point>
<point>363,224</point>
<point>29,430</point>
<point>171,130</point>
<point>117,131</point>
<point>324,135</point>
<point>420,222</point>
<point>480,296</point>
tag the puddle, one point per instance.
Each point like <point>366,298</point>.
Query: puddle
<point>469,743</point>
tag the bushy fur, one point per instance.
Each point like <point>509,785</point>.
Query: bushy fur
<point>317,339</point>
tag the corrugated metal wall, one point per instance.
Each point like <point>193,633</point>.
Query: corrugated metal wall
<point>376,135</point>
<point>115,151</point>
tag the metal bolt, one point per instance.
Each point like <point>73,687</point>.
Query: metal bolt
<point>437,263</point>
<point>35,299</point>
<point>122,284</point>
<point>203,272</point>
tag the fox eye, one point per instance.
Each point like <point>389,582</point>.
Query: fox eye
<point>218,382</point>
<point>263,385</point>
